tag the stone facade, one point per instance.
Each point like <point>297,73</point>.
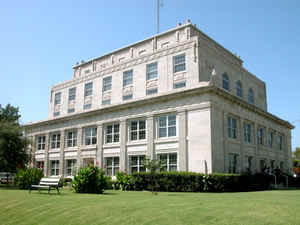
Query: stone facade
<point>178,96</point>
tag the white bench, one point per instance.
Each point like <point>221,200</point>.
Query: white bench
<point>47,183</point>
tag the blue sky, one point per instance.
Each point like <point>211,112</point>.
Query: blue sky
<point>40,41</point>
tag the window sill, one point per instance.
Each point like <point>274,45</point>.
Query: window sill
<point>166,140</point>
<point>179,72</point>
<point>90,146</point>
<point>137,142</point>
<point>54,150</point>
<point>68,149</point>
<point>111,145</point>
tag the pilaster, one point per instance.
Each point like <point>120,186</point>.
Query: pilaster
<point>182,119</point>
<point>150,137</point>
<point>46,162</point>
<point>123,149</point>
<point>99,153</point>
<point>62,154</point>
<point>79,144</point>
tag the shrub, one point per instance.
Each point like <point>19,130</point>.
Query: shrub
<point>28,176</point>
<point>89,180</point>
<point>124,181</point>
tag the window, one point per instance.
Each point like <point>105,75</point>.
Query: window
<point>87,106</point>
<point>136,164</point>
<point>232,127</point>
<point>137,130</point>
<point>233,163</point>
<point>55,141</point>
<point>270,139</point>
<point>72,94</point>
<point>111,166</point>
<point>71,167</point>
<point>54,167</point>
<point>151,71</point>
<point>239,90</point>
<point>112,133</point>
<point>280,142</point>
<point>251,96</point>
<point>71,110</point>
<point>169,161</point>
<point>249,163</point>
<point>179,63</point>
<point>72,139</point>
<point>106,102</point>
<point>167,126</point>
<point>260,136</point>
<point>41,142</point>
<point>106,84</point>
<point>262,165</point>
<point>151,91</point>
<point>127,97</point>
<point>57,98</point>
<point>127,78</point>
<point>179,85</point>
<point>56,114</point>
<point>247,132</point>
<point>90,135</point>
<point>88,89</point>
<point>225,81</point>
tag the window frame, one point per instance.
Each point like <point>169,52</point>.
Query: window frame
<point>72,139</point>
<point>71,169</point>
<point>152,73</point>
<point>233,163</point>
<point>247,132</point>
<point>167,126</point>
<point>106,83</point>
<point>225,82</point>
<point>140,167</point>
<point>113,166</point>
<point>88,89</point>
<point>232,127</point>
<point>41,142</point>
<point>55,141</point>
<point>57,98</point>
<point>72,94</point>
<point>239,89</point>
<point>251,98</point>
<point>167,166</point>
<point>260,136</point>
<point>127,97</point>
<point>127,78</point>
<point>138,131</point>
<point>180,84</point>
<point>55,169</point>
<point>90,136</point>
<point>270,139</point>
<point>179,63</point>
<point>114,135</point>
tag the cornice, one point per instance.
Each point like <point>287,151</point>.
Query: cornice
<point>162,98</point>
<point>129,63</point>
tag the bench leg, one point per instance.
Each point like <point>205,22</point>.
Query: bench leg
<point>49,190</point>
<point>57,190</point>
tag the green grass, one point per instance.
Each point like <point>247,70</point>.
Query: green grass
<point>116,207</point>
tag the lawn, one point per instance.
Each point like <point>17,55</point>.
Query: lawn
<point>117,207</point>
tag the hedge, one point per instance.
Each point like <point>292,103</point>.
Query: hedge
<point>194,182</point>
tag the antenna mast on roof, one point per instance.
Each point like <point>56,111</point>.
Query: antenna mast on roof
<point>158,7</point>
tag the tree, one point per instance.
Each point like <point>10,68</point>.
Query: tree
<point>153,166</point>
<point>296,161</point>
<point>13,144</point>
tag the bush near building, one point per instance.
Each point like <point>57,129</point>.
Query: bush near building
<point>28,176</point>
<point>195,182</point>
<point>90,179</point>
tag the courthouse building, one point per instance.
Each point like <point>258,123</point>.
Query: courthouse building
<point>177,96</point>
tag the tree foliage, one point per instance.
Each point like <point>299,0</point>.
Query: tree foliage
<point>296,161</point>
<point>13,144</point>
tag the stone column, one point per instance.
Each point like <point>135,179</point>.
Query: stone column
<point>242,155</point>
<point>150,137</point>
<point>288,150</point>
<point>255,141</point>
<point>62,154</point>
<point>183,162</point>
<point>123,149</point>
<point>99,153</point>
<point>46,162</point>
<point>33,150</point>
<point>79,144</point>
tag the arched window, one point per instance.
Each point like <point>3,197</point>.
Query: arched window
<point>225,81</point>
<point>239,89</point>
<point>251,96</point>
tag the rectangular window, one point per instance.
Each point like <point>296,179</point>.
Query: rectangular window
<point>71,110</point>
<point>57,98</point>
<point>54,167</point>
<point>106,102</point>
<point>127,78</point>
<point>72,94</point>
<point>232,127</point>
<point>179,63</point>
<point>56,114</point>
<point>72,139</point>
<point>111,166</point>
<point>280,142</point>
<point>55,141</point>
<point>106,84</point>
<point>87,106</point>
<point>71,167</point>
<point>270,139</point>
<point>169,161</point>
<point>167,126</point>
<point>112,133</point>
<point>260,136</point>
<point>179,85</point>
<point>127,97</point>
<point>90,135</point>
<point>151,71</point>
<point>88,89</point>
<point>247,132</point>
<point>137,130</point>
<point>233,162</point>
<point>151,91</point>
<point>249,163</point>
<point>136,164</point>
<point>41,142</point>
